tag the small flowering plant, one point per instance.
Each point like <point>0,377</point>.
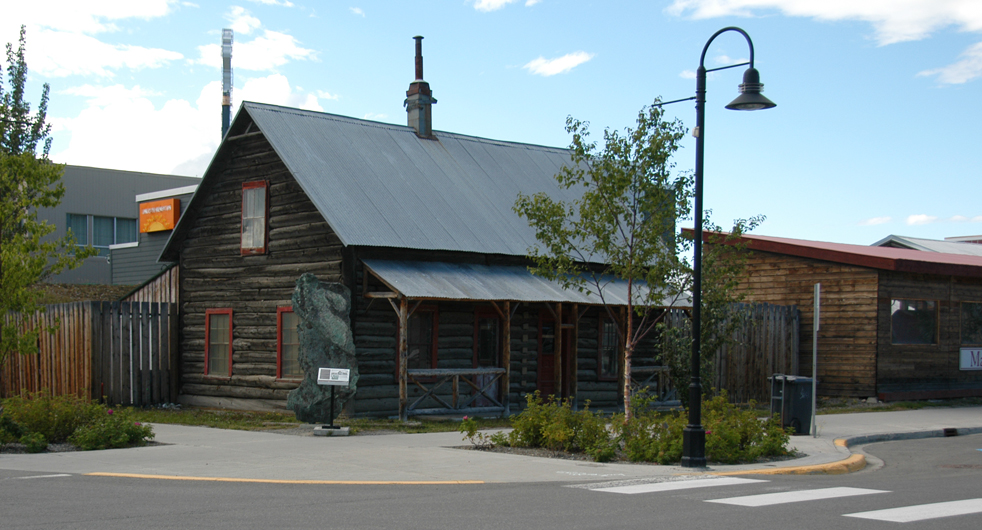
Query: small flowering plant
<point>113,430</point>
<point>468,427</point>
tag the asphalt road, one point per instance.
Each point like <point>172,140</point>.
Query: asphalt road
<point>912,474</point>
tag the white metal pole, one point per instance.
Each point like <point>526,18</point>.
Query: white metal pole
<point>815,324</point>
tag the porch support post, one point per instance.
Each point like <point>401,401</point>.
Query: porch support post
<point>558,351</point>
<point>574,352</point>
<point>506,361</point>
<point>403,358</point>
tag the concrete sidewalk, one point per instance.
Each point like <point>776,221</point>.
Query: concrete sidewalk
<point>204,453</point>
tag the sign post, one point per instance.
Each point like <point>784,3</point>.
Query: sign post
<point>332,377</point>
<point>815,325</point>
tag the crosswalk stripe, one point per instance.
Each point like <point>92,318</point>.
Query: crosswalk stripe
<point>678,485</point>
<point>922,511</point>
<point>785,497</point>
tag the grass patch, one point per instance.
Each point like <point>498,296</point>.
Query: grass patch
<point>268,421</point>
<point>850,405</point>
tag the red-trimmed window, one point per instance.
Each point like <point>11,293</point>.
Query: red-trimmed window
<point>422,338</point>
<point>255,209</point>
<point>608,351</point>
<point>218,342</point>
<point>288,344</point>
<point>487,339</point>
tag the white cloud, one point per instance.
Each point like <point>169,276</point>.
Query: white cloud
<point>687,74</point>
<point>275,89</point>
<point>494,5</point>
<point>977,219</point>
<point>875,221</point>
<point>284,3</point>
<point>122,128</point>
<point>920,219</point>
<point>263,53</point>
<point>375,117</point>
<point>61,42</point>
<point>241,21</point>
<point>893,20</point>
<point>968,68</point>
<point>357,11</point>
<point>491,5</point>
<point>559,65</point>
<point>958,219</point>
<point>90,16</point>
<point>59,54</point>
<point>327,95</point>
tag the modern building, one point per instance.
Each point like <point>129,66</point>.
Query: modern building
<point>99,208</point>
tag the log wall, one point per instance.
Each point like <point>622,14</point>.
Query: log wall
<point>847,343</point>
<point>215,275</point>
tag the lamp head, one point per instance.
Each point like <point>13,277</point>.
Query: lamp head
<point>750,97</point>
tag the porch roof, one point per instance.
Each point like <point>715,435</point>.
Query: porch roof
<point>429,280</point>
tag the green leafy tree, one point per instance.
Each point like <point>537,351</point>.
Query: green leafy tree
<point>28,181</point>
<point>724,259</point>
<point>623,225</point>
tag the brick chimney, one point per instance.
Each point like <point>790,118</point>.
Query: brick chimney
<point>419,98</point>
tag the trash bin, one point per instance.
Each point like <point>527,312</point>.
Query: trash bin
<point>791,397</point>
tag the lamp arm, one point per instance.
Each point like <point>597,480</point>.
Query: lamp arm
<point>705,49</point>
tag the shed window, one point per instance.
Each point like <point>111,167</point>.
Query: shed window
<point>971,318</point>
<point>607,360</point>
<point>914,321</point>
<point>422,339</point>
<point>218,342</point>
<point>254,217</point>
<point>288,344</point>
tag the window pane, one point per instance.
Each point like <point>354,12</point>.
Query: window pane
<point>421,340</point>
<point>914,321</point>
<point>254,218</point>
<point>125,230</point>
<point>218,346</point>
<point>487,342</point>
<point>971,323</point>
<point>79,226</point>
<point>103,233</point>
<point>290,346</point>
<point>608,349</point>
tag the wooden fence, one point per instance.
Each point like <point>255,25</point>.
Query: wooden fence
<point>122,352</point>
<point>765,343</point>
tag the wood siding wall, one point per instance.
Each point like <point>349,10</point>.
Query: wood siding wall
<point>165,288</point>
<point>928,367</point>
<point>215,275</point>
<point>847,340</point>
<point>118,351</point>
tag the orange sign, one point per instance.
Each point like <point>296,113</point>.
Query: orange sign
<point>159,215</point>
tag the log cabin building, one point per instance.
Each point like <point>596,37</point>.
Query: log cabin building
<point>895,323</point>
<point>419,225</point>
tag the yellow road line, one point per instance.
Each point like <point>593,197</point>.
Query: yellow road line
<point>276,481</point>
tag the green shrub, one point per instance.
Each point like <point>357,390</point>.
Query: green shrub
<point>110,430</point>
<point>54,417</point>
<point>10,430</point>
<point>735,435</point>
<point>653,437</point>
<point>555,425</point>
<point>34,442</point>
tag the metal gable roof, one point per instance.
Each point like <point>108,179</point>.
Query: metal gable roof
<point>379,184</point>
<point>930,245</point>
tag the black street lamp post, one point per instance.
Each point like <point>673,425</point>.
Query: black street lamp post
<point>694,435</point>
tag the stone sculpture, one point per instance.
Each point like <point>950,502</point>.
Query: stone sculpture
<point>325,342</point>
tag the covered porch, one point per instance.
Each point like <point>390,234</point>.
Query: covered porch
<point>497,292</point>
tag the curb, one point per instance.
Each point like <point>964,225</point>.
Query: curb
<point>855,462</point>
<point>850,465</point>
<point>915,435</point>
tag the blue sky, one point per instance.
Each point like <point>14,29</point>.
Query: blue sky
<point>876,132</point>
